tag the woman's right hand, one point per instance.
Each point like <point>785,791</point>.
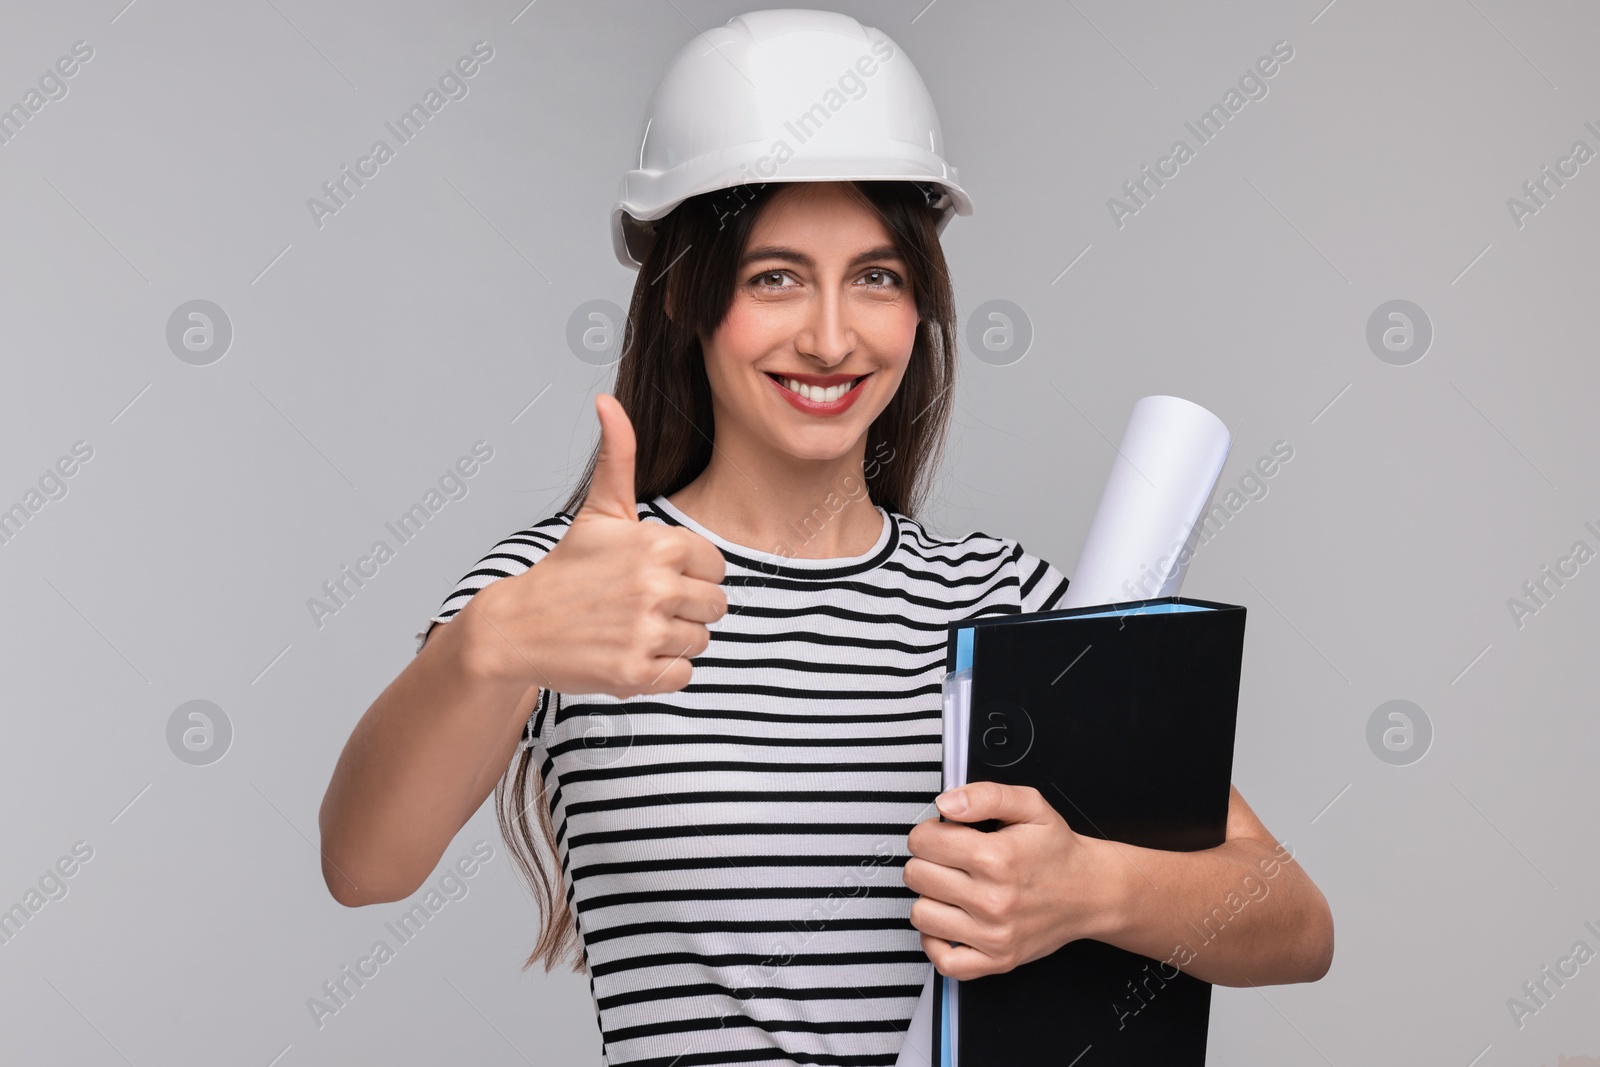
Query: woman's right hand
<point>618,606</point>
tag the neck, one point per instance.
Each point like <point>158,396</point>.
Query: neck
<point>808,509</point>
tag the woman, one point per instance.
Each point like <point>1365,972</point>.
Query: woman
<point>718,668</point>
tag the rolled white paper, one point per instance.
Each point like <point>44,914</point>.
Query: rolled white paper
<point>1161,482</point>
<point>1138,548</point>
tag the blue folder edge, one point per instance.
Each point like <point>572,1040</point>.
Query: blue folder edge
<point>964,661</point>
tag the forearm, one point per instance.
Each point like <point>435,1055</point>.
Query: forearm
<point>1242,913</point>
<point>416,766</point>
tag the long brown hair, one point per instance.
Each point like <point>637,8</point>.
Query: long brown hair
<point>662,385</point>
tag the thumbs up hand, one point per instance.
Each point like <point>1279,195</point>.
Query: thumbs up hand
<point>618,606</point>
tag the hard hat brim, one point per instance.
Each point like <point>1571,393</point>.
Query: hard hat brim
<point>645,196</point>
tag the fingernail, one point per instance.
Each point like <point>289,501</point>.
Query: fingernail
<point>952,803</point>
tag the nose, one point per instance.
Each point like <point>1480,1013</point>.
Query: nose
<point>827,336</point>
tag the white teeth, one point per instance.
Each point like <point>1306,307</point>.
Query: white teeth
<point>817,394</point>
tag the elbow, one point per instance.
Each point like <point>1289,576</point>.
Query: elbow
<point>357,888</point>
<point>354,877</point>
<point>1318,952</point>
<point>355,881</point>
<point>1325,961</point>
<point>347,895</point>
<point>345,882</point>
<point>1309,952</point>
<point>342,883</point>
<point>344,888</point>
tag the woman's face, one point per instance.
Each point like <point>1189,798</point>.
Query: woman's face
<point>821,297</point>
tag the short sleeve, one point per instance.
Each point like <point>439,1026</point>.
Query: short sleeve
<point>1042,586</point>
<point>511,556</point>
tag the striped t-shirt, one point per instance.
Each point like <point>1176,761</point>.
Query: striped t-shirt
<point>733,851</point>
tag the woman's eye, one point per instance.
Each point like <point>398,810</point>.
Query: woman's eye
<point>876,278</point>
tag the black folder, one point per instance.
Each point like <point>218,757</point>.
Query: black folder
<point>1123,717</point>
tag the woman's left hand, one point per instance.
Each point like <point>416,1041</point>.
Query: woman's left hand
<point>1009,896</point>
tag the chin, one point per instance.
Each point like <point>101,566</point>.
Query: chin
<point>819,447</point>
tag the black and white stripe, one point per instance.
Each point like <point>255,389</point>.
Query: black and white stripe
<point>733,851</point>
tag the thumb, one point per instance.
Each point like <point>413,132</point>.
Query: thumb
<point>979,801</point>
<point>611,488</point>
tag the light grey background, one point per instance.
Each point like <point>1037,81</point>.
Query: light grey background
<point>369,353</point>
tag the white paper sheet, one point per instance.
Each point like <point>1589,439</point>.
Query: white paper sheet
<point>1138,548</point>
<point>918,1048</point>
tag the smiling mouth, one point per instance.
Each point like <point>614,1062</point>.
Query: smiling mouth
<point>815,393</point>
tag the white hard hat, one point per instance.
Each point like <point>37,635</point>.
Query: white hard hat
<point>789,95</point>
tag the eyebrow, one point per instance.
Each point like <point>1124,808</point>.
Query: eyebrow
<point>795,256</point>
